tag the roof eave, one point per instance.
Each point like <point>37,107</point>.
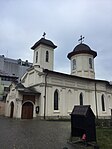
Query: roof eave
<point>81,52</point>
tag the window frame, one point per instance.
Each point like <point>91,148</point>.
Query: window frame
<point>81,101</point>
<point>103,102</point>
<point>47,56</point>
<point>56,100</point>
<point>73,64</point>
<point>36,58</point>
<point>90,63</point>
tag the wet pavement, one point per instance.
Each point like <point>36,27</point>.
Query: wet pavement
<point>34,134</point>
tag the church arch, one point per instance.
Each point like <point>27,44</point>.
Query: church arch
<point>81,98</point>
<point>56,99</point>
<point>11,109</point>
<point>27,110</point>
<point>103,102</point>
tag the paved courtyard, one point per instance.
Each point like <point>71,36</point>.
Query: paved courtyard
<point>34,134</point>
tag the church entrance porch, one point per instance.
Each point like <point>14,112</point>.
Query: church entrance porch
<point>27,110</point>
<point>27,106</point>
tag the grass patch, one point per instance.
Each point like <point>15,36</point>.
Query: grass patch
<point>104,138</point>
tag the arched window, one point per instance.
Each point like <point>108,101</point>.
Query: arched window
<point>90,63</point>
<point>36,60</point>
<point>103,103</point>
<point>56,100</point>
<point>47,56</point>
<point>74,64</point>
<point>81,99</point>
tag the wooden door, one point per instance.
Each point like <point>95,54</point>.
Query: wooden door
<point>27,110</point>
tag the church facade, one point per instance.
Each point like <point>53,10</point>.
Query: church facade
<point>45,93</point>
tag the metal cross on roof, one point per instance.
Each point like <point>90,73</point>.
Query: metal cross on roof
<point>44,34</point>
<point>81,39</point>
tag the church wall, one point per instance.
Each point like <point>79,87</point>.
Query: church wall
<point>50,101</point>
<point>34,77</point>
<point>70,98</point>
<point>31,78</point>
<point>40,99</point>
<point>69,95</point>
<point>107,103</point>
<point>24,79</point>
<point>82,66</point>
<point>42,57</point>
<point>110,100</point>
<point>69,90</point>
<point>49,64</point>
<point>100,112</point>
<point>92,100</point>
<point>64,102</point>
<point>14,97</point>
<point>10,97</point>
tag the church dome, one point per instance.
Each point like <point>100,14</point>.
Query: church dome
<point>44,42</point>
<point>82,48</point>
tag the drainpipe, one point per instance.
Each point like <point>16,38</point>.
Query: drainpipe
<point>96,102</point>
<point>45,95</point>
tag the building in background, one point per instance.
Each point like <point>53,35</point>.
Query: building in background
<point>5,82</point>
<point>10,70</point>
<point>13,67</point>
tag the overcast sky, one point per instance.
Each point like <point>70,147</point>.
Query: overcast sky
<point>22,23</point>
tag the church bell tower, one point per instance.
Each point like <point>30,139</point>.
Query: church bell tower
<point>44,53</point>
<point>82,60</point>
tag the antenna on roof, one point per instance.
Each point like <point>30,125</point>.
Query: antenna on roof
<point>44,34</point>
<point>81,39</point>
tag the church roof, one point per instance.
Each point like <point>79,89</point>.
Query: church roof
<point>77,77</point>
<point>81,110</point>
<point>82,48</point>
<point>44,42</point>
<point>29,90</point>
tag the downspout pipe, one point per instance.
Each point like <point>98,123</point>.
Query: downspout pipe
<point>46,74</point>
<point>96,102</point>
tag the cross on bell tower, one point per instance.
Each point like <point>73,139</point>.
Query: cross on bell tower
<point>81,39</point>
<point>44,34</point>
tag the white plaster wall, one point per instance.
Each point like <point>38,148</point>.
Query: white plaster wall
<point>49,101</point>
<point>82,66</point>
<point>93,101</point>
<point>69,96</point>
<point>34,77</point>
<point>40,100</point>
<point>110,102</point>
<point>42,55</point>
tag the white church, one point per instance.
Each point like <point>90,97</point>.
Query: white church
<point>45,93</point>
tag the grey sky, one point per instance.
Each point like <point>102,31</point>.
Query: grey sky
<point>22,23</point>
